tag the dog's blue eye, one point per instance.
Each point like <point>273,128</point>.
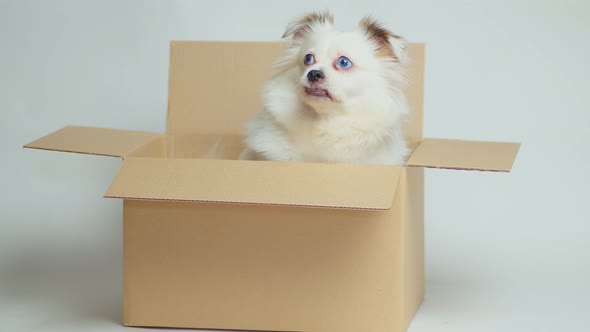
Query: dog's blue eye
<point>344,63</point>
<point>309,59</point>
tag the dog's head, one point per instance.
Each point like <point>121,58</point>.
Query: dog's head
<point>343,68</point>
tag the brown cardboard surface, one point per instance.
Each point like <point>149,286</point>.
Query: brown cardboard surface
<point>215,87</point>
<point>250,267</point>
<point>194,146</point>
<point>411,189</point>
<point>205,146</point>
<point>465,155</point>
<point>257,182</point>
<point>155,148</point>
<point>91,140</point>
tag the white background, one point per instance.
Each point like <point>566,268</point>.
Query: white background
<point>504,252</point>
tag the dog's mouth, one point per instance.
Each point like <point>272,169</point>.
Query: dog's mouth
<point>317,92</point>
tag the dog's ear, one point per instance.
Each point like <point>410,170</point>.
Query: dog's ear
<point>306,24</point>
<point>388,44</point>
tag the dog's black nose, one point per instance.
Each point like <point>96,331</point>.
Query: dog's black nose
<point>314,75</point>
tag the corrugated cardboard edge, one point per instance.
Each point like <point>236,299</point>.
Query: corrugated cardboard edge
<point>317,206</point>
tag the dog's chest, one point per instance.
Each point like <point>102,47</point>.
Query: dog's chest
<point>334,142</point>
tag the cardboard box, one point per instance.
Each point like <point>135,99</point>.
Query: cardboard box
<point>254,245</point>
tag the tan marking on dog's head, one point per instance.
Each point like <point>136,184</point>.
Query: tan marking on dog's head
<point>381,36</point>
<point>299,28</point>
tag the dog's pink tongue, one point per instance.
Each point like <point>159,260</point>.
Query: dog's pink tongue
<point>317,92</point>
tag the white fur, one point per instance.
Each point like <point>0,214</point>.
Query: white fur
<point>361,124</point>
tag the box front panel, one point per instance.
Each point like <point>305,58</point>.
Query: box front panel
<point>262,268</point>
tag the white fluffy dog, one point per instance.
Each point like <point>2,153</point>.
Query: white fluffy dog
<point>337,97</point>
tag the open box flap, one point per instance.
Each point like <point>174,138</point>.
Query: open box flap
<point>91,140</point>
<point>257,182</point>
<point>464,155</point>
